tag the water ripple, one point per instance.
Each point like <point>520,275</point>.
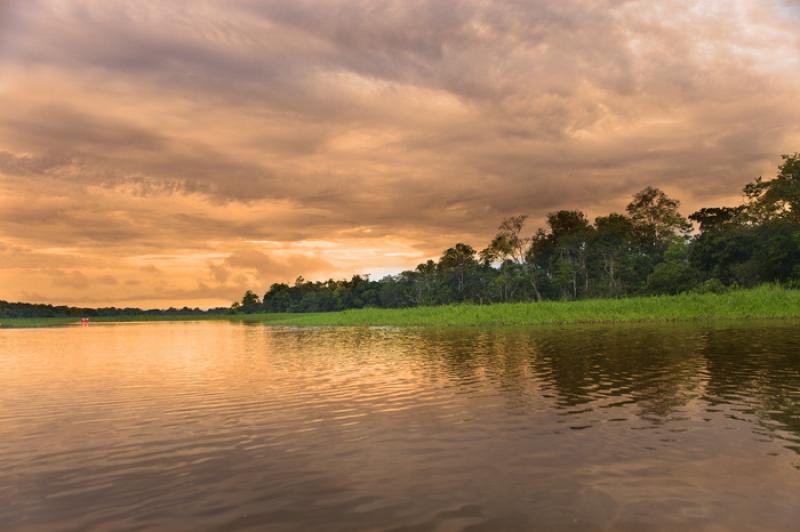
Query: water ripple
<point>219,426</point>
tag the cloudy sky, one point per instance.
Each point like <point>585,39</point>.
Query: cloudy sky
<point>166,153</point>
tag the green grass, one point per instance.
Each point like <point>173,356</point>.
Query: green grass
<point>14,323</point>
<point>24,323</point>
<point>762,302</point>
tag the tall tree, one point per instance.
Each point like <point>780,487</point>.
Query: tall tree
<point>778,198</point>
<point>611,245</point>
<point>716,218</point>
<point>250,302</point>
<point>457,260</point>
<point>570,233</point>
<point>674,274</point>
<point>656,218</point>
<point>509,244</point>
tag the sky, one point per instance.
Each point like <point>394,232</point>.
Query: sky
<point>160,153</point>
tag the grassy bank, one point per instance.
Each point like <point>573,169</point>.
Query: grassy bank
<point>762,302</point>
<point>15,323</point>
<point>27,323</point>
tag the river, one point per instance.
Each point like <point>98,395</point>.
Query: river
<point>230,426</point>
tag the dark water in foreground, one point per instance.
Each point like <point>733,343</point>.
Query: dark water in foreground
<point>219,426</point>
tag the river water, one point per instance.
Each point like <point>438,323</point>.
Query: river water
<point>225,426</point>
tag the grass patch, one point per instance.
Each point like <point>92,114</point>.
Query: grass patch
<point>762,302</point>
<point>24,323</point>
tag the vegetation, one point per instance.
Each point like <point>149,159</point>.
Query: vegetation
<point>762,302</point>
<point>648,250</point>
<point>768,301</point>
<point>39,310</point>
<point>13,323</point>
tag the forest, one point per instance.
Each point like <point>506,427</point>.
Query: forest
<point>650,249</point>
<point>43,310</point>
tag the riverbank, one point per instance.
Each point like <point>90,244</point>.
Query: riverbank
<point>762,302</point>
<point>30,323</point>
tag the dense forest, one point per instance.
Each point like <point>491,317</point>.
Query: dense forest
<point>650,249</point>
<point>41,310</point>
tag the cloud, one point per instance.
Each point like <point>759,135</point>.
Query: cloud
<point>179,134</point>
<point>269,267</point>
<point>74,279</point>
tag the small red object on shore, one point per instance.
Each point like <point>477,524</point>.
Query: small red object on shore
<point>84,322</point>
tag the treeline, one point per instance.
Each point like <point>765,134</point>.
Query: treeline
<point>649,249</point>
<point>39,310</point>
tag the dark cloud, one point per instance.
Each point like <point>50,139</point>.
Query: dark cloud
<point>28,165</point>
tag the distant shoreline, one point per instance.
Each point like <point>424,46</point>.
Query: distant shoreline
<point>762,302</point>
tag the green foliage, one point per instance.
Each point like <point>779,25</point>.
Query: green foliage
<point>674,275</point>
<point>508,244</point>
<point>748,254</point>
<point>713,219</point>
<point>778,198</point>
<point>710,286</point>
<point>609,249</point>
<point>27,311</point>
<point>250,303</point>
<point>656,219</point>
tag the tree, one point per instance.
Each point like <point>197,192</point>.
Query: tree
<point>250,302</point>
<point>611,245</point>
<point>675,274</point>
<point>510,280</point>
<point>509,244</point>
<point>756,242</point>
<point>457,260</point>
<point>656,218</point>
<point>716,218</point>
<point>777,198</point>
<point>564,249</point>
<point>425,283</point>
<point>278,298</point>
<point>720,252</point>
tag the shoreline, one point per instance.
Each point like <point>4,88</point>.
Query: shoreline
<point>765,302</point>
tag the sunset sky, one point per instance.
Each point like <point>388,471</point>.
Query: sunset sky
<point>158,153</point>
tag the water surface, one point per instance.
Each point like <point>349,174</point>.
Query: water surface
<point>225,426</point>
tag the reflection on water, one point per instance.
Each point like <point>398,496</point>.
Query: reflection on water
<point>195,426</point>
